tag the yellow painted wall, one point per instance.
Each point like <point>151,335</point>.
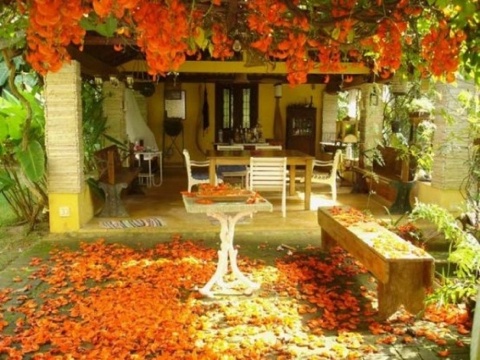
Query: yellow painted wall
<point>451,200</point>
<point>196,140</point>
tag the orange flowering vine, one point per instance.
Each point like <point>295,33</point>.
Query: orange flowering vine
<point>222,44</point>
<point>441,49</point>
<point>54,24</point>
<point>162,33</point>
<point>386,43</point>
<point>304,35</point>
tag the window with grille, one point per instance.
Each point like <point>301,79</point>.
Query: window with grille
<point>236,106</point>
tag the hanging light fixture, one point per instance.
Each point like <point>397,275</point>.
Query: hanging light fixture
<point>138,78</point>
<point>278,90</point>
<point>130,81</point>
<point>114,81</point>
<point>98,81</point>
<point>237,45</point>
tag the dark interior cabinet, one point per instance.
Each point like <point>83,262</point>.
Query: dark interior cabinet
<point>301,129</point>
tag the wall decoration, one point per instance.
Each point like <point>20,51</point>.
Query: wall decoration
<point>175,104</point>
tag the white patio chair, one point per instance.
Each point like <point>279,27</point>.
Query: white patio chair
<point>196,177</point>
<point>269,174</point>
<point>230,147</point>
<point>233,171</point>
<point>329,175</point>
<point>268,147</point>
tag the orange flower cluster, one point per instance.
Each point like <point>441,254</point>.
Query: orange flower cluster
<point>440,49</point>
<point>265,16</point>
<point>388,46</point>
<point>54,24</point>
<point>329,55</point>
<point>162,33</point>
<point>341,8</point>
<point>103,8</point>
<point>165,32</point>
<point>222,44</point>
<point>297,61</point>
<point>270,17</point>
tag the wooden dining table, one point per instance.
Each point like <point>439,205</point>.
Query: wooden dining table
<point>294,158</point>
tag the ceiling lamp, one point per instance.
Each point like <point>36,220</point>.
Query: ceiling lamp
<point>98,81</point>
<point>114,81</point>
<point>138,78</point>
<point>237,46</point>
<point>130,81</point>
<point>278,90</point>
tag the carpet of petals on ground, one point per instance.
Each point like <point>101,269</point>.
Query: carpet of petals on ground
<point>110,301</point>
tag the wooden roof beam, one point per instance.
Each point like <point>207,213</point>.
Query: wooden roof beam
<point>90,65</point>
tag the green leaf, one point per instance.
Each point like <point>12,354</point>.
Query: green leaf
<point>335,33</point>
<point>15,127</point>
<point>9,97</point>
<point>6,181</point>
<point>200,39</point>
<point>108,27</point>
<point>351,36</point>
<point>3,73</point>
<point>3,129</point>
<point>88,23</point>
<point>32,161</point>
<point>105,28</point>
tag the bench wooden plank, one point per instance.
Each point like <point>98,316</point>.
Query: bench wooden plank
<point>402,280</point>
<point>334,234</point>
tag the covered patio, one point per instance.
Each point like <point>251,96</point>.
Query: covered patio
<point>165,202</point>
<point>128,287</point>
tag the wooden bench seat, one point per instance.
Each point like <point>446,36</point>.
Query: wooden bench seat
<point>403,277</point>
<point>113,178</point>
<point>390,180</point>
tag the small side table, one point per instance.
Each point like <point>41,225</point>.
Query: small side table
<point>228,214</point>
<point>149,177</point>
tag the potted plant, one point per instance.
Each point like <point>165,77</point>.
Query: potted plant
<point>419,108</point>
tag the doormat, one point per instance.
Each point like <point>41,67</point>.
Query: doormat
<point>132,223</point>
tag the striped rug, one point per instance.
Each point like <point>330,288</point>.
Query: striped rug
<point>132,223</point>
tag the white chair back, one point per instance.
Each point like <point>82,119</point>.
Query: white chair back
<point>269,174</point>
<point>229,147</point>
<point>327,177</point>
<point>195,178</point>
<point>268,147</point>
